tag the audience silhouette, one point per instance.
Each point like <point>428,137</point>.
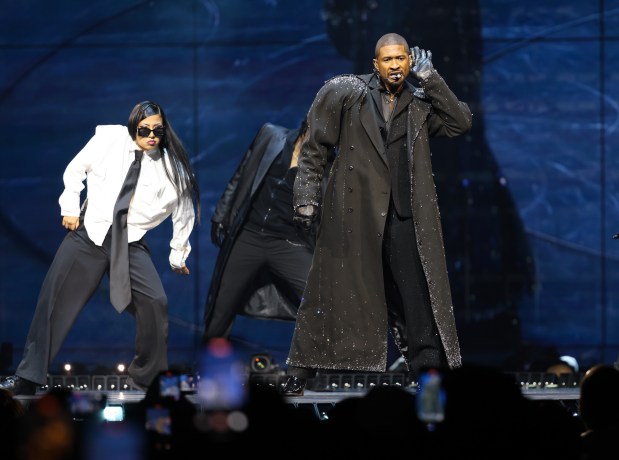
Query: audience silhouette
<point>11,414</point>
<point>599,411</point>
<point>487,415</point>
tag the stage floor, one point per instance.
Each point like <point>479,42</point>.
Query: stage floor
<point>324,389</point>
<point>320,396</point>
<point>311,396</point>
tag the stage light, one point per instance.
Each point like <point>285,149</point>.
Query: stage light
<point>262,363</point>
<point>121,368</point>
<point>67,368</point>
<point>98,383</point>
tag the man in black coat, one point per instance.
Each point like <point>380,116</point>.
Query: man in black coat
<point>264,259</point>
<point>379,262</point>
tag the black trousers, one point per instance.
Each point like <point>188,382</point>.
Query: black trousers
<point>407,294</point>
<point>253,252</point>
<point>73,277</point>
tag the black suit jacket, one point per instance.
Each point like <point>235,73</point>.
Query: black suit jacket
<point>266,300</point>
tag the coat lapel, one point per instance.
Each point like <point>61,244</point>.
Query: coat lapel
<point>275,145</point>
<point>404,99</point>
<point>369,115</point>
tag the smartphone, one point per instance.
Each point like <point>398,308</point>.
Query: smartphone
<point>83,403</point>
<point>187,383</point>
<point>169,385</point>
<point>87,405</point>
<point>430,397</point>
<point>114,413</point>
<point>222,380</point>
<point>158,420</point>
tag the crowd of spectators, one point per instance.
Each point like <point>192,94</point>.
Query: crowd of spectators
<point>485,415</point>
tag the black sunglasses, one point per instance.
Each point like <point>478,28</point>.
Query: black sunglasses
<point>145,132</point>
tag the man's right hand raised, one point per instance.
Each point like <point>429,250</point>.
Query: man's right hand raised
<point>422,63</point>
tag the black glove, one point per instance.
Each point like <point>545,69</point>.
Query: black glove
<point>422,63</point>
<point>218,233</point>
<point>304,216</point>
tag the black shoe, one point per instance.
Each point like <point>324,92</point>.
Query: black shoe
<point>294,386</point>
<point>18,386</point>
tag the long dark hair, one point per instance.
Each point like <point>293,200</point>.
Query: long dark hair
<point>181,173</point>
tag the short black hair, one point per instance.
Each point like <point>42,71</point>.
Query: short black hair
<point>390,39</point>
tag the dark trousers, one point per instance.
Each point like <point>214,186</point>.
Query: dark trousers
<point>407,293</point>
<point>73,277</point>
<point>253,252</point>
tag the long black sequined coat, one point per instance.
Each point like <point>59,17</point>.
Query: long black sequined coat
<point>342,321</point>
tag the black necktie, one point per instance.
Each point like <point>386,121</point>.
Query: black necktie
<point>120,284</point>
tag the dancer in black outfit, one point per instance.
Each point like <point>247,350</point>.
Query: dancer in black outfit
<point>263,260</point>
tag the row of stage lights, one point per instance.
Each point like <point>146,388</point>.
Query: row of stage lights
<point>261,363</point>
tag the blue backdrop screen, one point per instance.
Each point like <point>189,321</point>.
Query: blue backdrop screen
<point>529,198</point>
